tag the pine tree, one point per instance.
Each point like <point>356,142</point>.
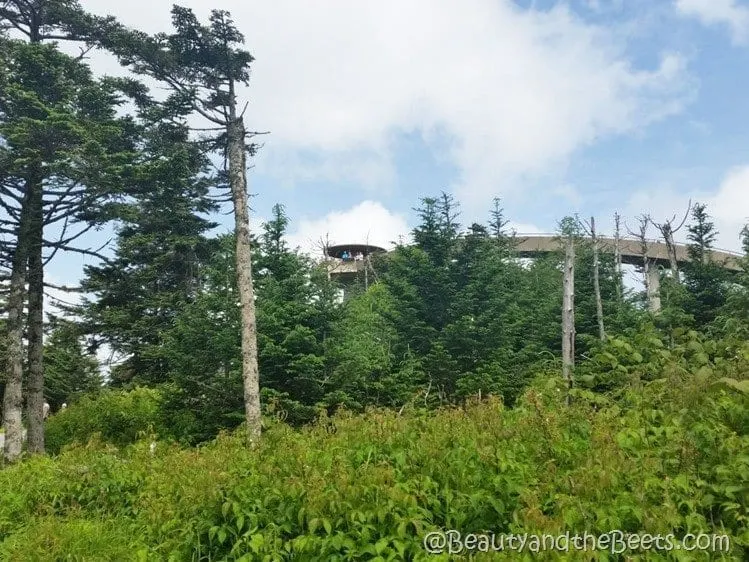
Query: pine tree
<point>361,350</point>
<point>291,352</point>
<point>701,234</point>
<point>64,145</point>
<point>705,280</point>
<point>734,315</point>
<point>69,370</point>
<point>160,247</point>
<point>203,351</point>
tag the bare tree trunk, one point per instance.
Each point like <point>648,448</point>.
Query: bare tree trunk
<point>35,381</point>
<point>668,237</point>
<point>13,396</point>
<point>596,280</point>
<point>618,256</point>
<point>324,245</point>
<point>238,184</point>
<point>667,230</point>
<point>651,277</point>
<point>568,314</point>
<point>653,288</point>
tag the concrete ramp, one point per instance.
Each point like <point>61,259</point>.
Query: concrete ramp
<point>532,245</point>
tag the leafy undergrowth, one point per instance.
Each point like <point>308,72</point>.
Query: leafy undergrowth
<point>118,416</point>
<point>670,455</point>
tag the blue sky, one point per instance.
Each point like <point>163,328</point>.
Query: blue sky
<point>586,106</point>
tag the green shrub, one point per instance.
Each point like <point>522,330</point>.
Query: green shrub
<point>118,415</point>
<point>668,455</point>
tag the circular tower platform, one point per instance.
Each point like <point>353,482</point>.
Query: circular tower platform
<point>351,251</point>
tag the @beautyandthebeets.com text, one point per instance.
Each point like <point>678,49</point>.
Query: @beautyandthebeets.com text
<point>616,542</point>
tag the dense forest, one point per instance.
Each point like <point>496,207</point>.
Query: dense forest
<point>258,409</point>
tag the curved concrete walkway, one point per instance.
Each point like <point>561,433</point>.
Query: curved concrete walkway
<point>530,245</point>
<point>533,245</point>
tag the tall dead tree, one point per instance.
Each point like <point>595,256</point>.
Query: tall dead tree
<point>238,184</point>
<point>202,66</point>
<point>568,313</point>
<point>651,275</point>
<point>618,256</point>
<point>667,230</point>
<point>596,280</point>
<point>324,244</point>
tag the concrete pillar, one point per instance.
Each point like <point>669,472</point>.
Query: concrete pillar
<point>654,289</point>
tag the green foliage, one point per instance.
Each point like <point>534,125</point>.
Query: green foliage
<point>733,318</point>
<point>361,352</point>
<point>655,438</point>
<point>668,455</point>
<point>161,246</point>
<point>675,301</point>
<point>293,318</point>
<point>493,378</point>
<point>51,539</point>
<point>296,310</point>
<point>705,280</point>
<point>69,371</point>
<point>118,416</point>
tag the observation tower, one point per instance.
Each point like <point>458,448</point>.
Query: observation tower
<point>349,263</point>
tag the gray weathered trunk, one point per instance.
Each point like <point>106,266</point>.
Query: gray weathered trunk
<point>668,237</point>
<point>650,273</point>
<point>568,313</point>
<point>597,281</point>
<point>13,396</point>
<point>35,381</point>
<point>653,288</point>
<point>238,184</point>
<point>618,256</point>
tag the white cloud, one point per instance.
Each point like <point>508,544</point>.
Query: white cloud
<point>568,193</point>
<point>516,91</point>
<point>728,206</point>
<point>731,13</point>
<point>368,222</point>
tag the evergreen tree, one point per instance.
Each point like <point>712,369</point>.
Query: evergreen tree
<point>734,316</point>
<point>705,280</point>
<point>203,351</point>
<point>498,223</point>
<point>160,246</point>
<point>296,313</point>
<point>290,330</point>
<point>64,151</point>
<point>701,234</point>
<point>361,351</point>
<point>69,371</point>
